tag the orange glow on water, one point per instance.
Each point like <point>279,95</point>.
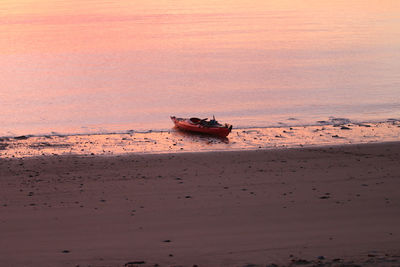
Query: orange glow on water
<point>97,26</point>
<point>106,62</point>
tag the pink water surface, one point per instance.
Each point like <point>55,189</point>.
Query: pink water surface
<point>103,66</point>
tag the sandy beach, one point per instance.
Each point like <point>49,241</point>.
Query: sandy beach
<point>332,206</point>
<point>95,173</point>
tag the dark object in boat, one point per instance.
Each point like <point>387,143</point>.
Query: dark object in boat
<point>206,126</point>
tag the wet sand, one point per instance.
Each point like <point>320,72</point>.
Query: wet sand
<point>323,205</point>
<point>339,132</point>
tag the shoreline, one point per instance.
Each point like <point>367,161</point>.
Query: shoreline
<point>178,141</point>
<point>288,123</point>
<point>320,205</point>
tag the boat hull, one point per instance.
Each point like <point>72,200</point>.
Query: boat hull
<point>187,125</point>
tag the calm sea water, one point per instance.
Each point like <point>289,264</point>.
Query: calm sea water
<point>76,66</point>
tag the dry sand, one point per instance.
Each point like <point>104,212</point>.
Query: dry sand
<point>328,205</point>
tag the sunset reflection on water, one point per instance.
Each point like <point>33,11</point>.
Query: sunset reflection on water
<point>103,66</point>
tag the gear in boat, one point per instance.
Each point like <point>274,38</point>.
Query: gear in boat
<point>204,122</point>
<point>202,126</point>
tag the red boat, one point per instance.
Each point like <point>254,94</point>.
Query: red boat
<point>202,126</point>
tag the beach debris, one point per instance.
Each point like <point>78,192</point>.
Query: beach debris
<point>22,137</point>
<point>364,125</point>
<point>133,263</point>
<point>339,121</point>
<point>167,241</point>
<point>46,144</point>
<point>345,128</point>
<point>300,261</point>
<point>65,251</point>
<point>3,146</point>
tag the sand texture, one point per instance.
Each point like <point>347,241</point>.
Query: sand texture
<point>329,205</point>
